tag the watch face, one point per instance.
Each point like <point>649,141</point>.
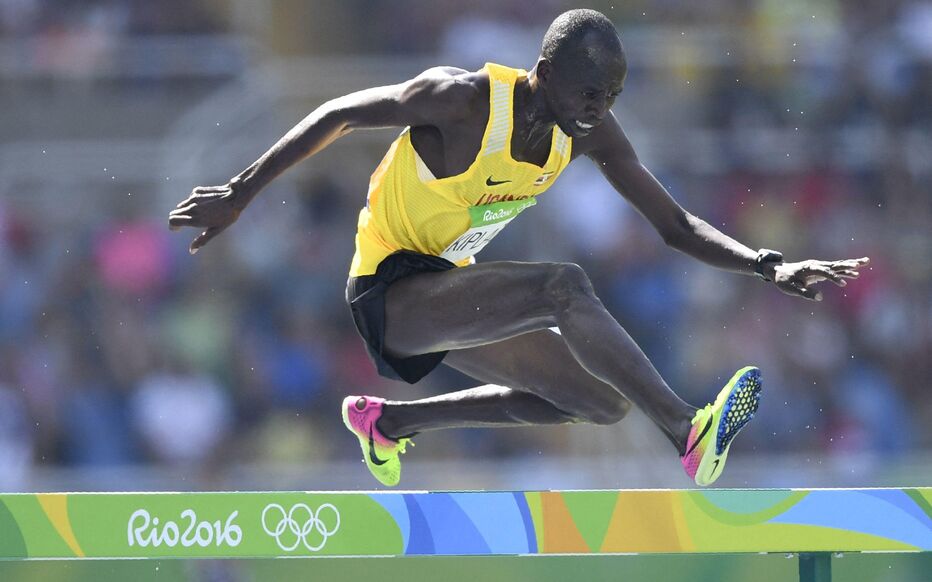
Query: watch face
<point>766,256</point>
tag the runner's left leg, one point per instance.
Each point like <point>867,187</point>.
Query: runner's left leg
<point>532,379</point>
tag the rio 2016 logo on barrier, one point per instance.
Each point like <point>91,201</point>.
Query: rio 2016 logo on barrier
<point>300,525</point>
<point>201,533</point>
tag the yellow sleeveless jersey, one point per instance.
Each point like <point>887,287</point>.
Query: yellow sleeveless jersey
<point>454,217</point>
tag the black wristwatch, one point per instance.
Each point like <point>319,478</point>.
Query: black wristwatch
<point>766,256</point>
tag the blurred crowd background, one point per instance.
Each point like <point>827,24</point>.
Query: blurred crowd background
<point>126,363</point>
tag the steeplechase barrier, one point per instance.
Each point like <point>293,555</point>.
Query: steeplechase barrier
<point>812,524</point>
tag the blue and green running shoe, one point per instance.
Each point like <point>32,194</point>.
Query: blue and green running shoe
<point>715,426</point>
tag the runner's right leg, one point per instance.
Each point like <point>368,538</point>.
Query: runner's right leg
<point>533,379</point>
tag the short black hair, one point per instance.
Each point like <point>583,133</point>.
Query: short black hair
<point>565,36</point>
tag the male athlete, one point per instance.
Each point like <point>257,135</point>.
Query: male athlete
<point>477,149</point>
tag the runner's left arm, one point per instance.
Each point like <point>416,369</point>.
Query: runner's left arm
<point>612,152</point>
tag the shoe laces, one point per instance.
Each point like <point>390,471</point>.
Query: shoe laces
<point>702,414</point>
<point>402,443</point>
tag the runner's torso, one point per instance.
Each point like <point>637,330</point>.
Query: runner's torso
<point>456,216</point>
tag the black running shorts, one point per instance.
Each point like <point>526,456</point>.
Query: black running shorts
<point>366,298</point>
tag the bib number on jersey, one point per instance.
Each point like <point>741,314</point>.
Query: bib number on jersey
<point>485,222</point>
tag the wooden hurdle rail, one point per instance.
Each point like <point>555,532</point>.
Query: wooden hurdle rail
<point>810,523</point>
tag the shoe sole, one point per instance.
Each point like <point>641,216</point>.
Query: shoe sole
<point>741,403</point>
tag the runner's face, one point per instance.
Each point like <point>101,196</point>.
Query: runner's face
<point>580,97</point>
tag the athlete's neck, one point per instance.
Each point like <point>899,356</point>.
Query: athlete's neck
<point>533,121</point>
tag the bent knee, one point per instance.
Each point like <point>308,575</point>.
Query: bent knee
<point>567,282</point>
<point>610,413</point>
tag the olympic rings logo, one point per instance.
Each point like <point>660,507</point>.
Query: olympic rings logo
<point>303,524</point>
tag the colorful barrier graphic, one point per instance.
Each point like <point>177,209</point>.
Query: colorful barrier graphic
<point>221,525</point>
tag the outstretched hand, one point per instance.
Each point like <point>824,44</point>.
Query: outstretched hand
<point>212,208</point>
<point>799,278</point>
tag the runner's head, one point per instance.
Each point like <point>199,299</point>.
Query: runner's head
<point>582,68</point>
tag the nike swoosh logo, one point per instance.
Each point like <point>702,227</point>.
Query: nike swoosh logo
<point>372,456</point>
<point>708,425</point>
<point>490,182</point>
<point>714,467</point>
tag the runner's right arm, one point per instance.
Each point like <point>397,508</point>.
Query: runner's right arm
<point>432,98</point>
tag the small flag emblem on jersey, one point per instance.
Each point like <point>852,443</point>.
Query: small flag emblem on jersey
<point>542,179</point>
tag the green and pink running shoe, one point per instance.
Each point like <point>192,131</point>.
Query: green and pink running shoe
<point>360,414</point>
<point>714,426</point>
